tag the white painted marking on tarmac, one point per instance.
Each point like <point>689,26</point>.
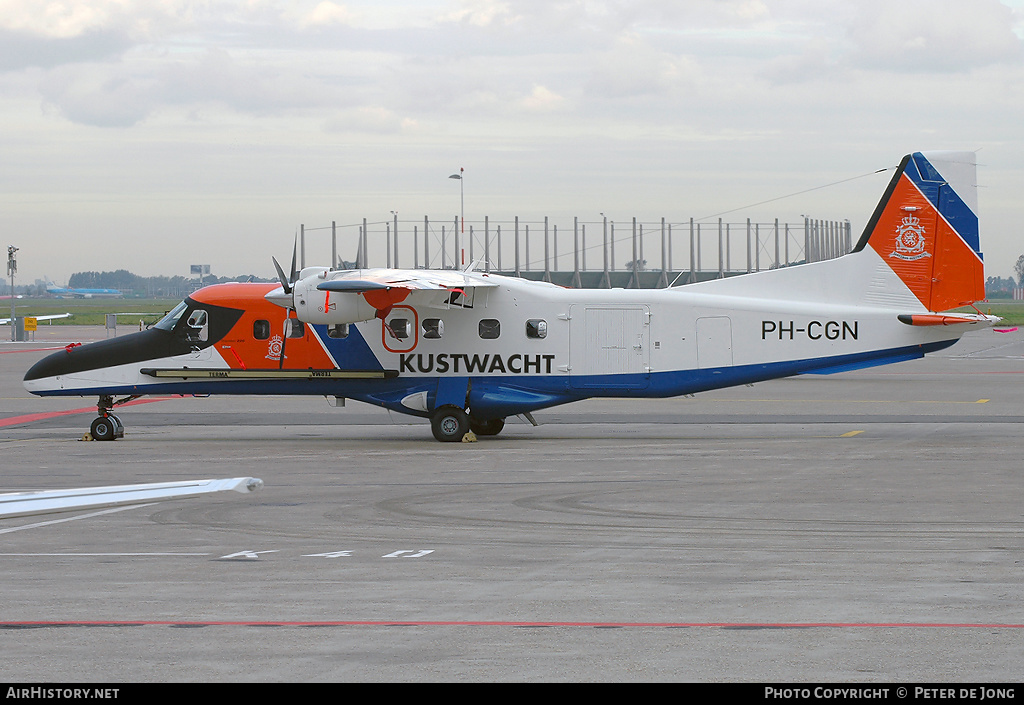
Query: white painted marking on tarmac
<point>247,555</point>
<point>331,554</point>
<point>100,555</point>
<point>415,554</point>
<point>74,518</point>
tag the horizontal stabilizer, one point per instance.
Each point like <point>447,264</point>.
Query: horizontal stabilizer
<point>942,319</point>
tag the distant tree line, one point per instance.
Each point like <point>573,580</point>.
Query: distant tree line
<point>178,287</point>
<point>999,288</point>
<point>150,287</point>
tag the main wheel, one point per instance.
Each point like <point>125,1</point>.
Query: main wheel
<point>102,429</point>
<point>449,424</point>
<point>490,427</point>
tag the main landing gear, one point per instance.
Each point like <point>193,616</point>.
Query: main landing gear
<point>449,424</point>
<point>106,426</point>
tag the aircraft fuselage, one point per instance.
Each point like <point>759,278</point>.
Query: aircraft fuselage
<point>515,347</point>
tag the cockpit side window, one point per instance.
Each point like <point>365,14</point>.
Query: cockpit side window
<point>197,326</point>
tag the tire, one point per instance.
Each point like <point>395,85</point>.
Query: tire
<point>102,429</point>
<point>449,424</point>
<point>490,427</point>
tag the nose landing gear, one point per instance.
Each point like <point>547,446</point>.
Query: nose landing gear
<point>106,426</point>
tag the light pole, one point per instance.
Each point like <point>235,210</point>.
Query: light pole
<point>12,267</point>
<point>462,197</point>
<point>394,215</point>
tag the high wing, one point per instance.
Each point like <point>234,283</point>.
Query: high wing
<point>348,296</point>
<point>49,501</point>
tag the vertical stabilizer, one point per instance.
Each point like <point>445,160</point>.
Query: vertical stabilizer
<point>926,229</point>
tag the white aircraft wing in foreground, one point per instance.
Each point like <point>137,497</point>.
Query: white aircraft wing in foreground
<point>48,501</point>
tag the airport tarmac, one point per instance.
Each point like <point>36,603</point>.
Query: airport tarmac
<point>856,528</point>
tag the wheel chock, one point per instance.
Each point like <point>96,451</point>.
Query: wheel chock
<point>87,437</point>
<point>470,437</point>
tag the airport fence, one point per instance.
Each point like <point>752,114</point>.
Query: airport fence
<point>583,254</point>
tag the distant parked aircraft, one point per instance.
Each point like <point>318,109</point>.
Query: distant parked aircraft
<point>63,292</point>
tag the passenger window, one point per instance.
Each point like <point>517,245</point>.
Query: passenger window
<point>536,328</point>
<point>293,328</point>
<point>338,330</point>
<point>261,330</point>
<point>399,327</point>
<point>490,328</point>
<point>433,328</point>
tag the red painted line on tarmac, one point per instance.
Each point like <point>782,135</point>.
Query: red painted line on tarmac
<point>29,418</point>
<point>484,623</point>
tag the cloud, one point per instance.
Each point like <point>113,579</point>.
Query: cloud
<point>369,119</point>
<point>929,36</point>
<point>124,94</point>
<point>542,98</point>
<point>483,13</point>
<point>325,14</point>
<point>85,97</point>
<point>634,66</point>
<point>20,50</point>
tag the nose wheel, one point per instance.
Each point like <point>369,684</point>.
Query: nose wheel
<point>106,426</point>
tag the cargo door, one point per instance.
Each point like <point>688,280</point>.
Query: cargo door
<point>609,347</point>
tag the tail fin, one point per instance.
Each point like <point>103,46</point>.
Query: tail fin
<point>926,229</point>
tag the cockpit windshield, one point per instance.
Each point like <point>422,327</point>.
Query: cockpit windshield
<point>171,319</point>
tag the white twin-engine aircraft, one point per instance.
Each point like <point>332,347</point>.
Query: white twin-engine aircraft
<point>468,349</point>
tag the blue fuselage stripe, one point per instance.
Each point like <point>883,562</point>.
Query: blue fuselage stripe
<point>504,395</point>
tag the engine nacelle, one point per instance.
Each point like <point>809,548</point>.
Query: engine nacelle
<point>329,307</point>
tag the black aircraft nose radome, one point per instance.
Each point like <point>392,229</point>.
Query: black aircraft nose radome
<point>137,347</point>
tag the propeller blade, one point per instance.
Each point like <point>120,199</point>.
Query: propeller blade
<point>285,284</point>
<point>295,272</point>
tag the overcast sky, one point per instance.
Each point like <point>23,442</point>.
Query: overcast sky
<point>149,136</point>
